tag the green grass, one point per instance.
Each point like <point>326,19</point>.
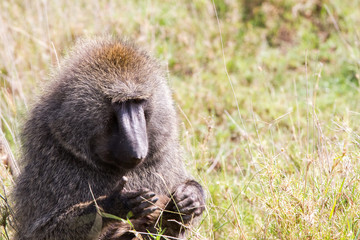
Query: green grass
<point>267,92</point>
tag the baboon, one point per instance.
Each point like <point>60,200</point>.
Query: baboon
<point>107,114</point>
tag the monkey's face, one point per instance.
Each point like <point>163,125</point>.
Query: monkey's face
<point>125,143</point>
<point>111,107</point>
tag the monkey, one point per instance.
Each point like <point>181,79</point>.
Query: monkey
<point>106,114</point>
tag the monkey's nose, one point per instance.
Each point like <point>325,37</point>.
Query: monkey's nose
<point>138,152</point>
<point>137,160</point>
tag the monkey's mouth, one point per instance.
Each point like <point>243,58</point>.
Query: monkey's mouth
<point>111,161</point>
<point>132,163</point>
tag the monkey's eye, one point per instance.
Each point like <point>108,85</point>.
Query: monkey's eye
<point>139,101</point>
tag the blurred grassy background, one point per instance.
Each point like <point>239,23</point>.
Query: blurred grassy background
<point>267,91</point>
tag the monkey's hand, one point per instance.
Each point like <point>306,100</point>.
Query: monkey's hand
<point>122,230</point>
<point>120,202</point>
<point>188,201</point>
<point>140,202</point>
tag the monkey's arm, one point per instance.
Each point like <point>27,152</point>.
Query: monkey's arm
<point>86,221</point>
<point>80,221</point>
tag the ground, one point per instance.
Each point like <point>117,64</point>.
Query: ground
<point>267,93</point>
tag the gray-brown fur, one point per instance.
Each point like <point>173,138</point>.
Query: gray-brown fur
<point>55,192</point>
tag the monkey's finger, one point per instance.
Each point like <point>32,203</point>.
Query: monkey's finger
<point>180,189</point>
<point>136,193</point>
<point>190,209</point>
<point>143,197</point>
<point>148,195</point>
<point>120,184</point>
<point>152,200</point>
<point>186,218</point>
<point>143,203</point>
<point>184,203</point>
<point>143,210</point>
<point>132,194</point>
<point>199,211</point>
<point>147,211</point>
<point>181,197</point>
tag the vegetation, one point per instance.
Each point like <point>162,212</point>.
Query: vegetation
<point>267,91</point>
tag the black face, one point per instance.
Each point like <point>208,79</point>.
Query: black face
<point>125,144</point>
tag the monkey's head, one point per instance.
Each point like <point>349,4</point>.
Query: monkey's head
<point>110,105</point>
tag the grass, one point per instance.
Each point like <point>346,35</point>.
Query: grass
<point>267,93</point>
